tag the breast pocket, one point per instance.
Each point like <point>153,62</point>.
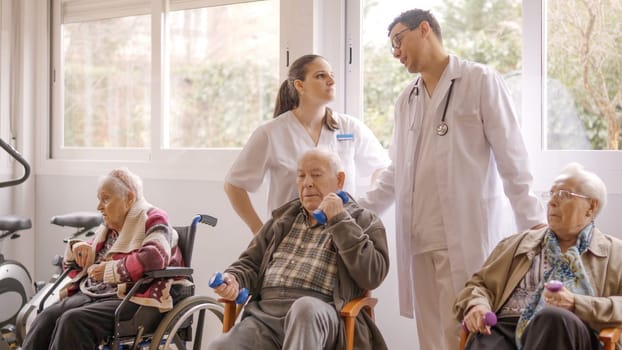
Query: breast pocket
<point>345,149</point>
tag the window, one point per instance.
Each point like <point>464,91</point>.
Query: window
<point>496,42</point>
<point>583,68</point>
<point>139,76</point>
<point>209,76</point>
<point>107,82</point>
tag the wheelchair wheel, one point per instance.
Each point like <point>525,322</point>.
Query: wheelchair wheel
<point>190,314</point>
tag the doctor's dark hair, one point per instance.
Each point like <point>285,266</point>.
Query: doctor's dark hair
<point>413,18</point>
<point>287,98</point>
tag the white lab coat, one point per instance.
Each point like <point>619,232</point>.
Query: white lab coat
<point>484,141</point>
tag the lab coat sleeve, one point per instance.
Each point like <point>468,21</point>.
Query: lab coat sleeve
<point>370,155</point>
<point>504,135</point>
<point>382,195</point>
<point>250,167</point>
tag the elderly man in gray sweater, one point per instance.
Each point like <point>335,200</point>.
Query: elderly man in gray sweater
<point>301,272</point>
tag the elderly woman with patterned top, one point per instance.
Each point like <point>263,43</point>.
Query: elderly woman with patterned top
<point>515,279</point>
<point>134,238</point>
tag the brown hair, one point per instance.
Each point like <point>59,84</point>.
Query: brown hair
<point>287,98</point>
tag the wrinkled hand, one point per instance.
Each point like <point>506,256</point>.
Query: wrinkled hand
<point>562,298</point>
<point>229,289</point>
<point>96,272</point>
<point>84,254</point>
<point>332,205</point>
<point>474,319</point>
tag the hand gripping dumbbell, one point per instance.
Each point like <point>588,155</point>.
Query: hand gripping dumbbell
<point>490,319</point>
<point>217,280</point>
<point>319,214</point>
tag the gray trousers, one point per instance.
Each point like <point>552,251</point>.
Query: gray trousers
<point>289,322</point>
<point>551,328</point>
<point>78,322</point>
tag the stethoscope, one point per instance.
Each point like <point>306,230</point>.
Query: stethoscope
<point>442,127</point>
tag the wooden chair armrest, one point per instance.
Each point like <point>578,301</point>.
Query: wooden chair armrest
<point>464,335</point>
<point>354,306</point>
<point>610,336</point>
<point>230,313</point>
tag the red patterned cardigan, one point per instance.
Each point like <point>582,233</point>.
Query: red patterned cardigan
<point>145,243</point>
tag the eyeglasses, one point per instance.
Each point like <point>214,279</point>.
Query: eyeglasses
<point>396,41</point>
<point>561,195</point>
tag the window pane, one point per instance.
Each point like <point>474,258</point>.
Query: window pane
<point>584,66</point>
<point>495,41</point>
<point>223,73</point>
<point>107,82</point>
<point>383,76</point>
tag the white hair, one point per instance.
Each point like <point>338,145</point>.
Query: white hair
<point>331,158</point>
<point>589,184</point>
<point>123,181</point>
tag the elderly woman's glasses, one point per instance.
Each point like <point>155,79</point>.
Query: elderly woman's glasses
<point>562,195</point>
<point>396,41</point>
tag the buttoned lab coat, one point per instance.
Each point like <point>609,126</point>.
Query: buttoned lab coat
<point>484,141</point>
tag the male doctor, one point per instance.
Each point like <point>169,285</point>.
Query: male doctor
<point>455,132</point>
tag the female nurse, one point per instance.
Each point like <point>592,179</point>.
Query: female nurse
<point>302,120</point>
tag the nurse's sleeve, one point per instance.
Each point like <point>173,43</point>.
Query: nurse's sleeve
<point>250,167</point>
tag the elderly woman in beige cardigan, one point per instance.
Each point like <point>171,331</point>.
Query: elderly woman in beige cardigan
<point>135,237</point>
<point>513,281</point>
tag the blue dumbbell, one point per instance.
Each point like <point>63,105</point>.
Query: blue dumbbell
<point>319,214</point>
<point>217,280</point>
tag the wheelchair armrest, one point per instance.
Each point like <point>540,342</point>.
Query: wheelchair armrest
<point>610,336</point>
<point>354,306</point>
<point>170,272</point>
<point>72,266</point>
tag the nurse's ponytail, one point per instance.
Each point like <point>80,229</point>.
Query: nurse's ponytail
<point>287,98</point>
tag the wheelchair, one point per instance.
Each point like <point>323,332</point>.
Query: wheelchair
<point>180,328</point>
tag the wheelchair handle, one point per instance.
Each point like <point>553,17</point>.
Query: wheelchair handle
<point>319,214</point>
<point>217,280</point>
<point>490,319</point>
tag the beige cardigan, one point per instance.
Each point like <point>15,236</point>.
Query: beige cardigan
<point>511,259</point>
